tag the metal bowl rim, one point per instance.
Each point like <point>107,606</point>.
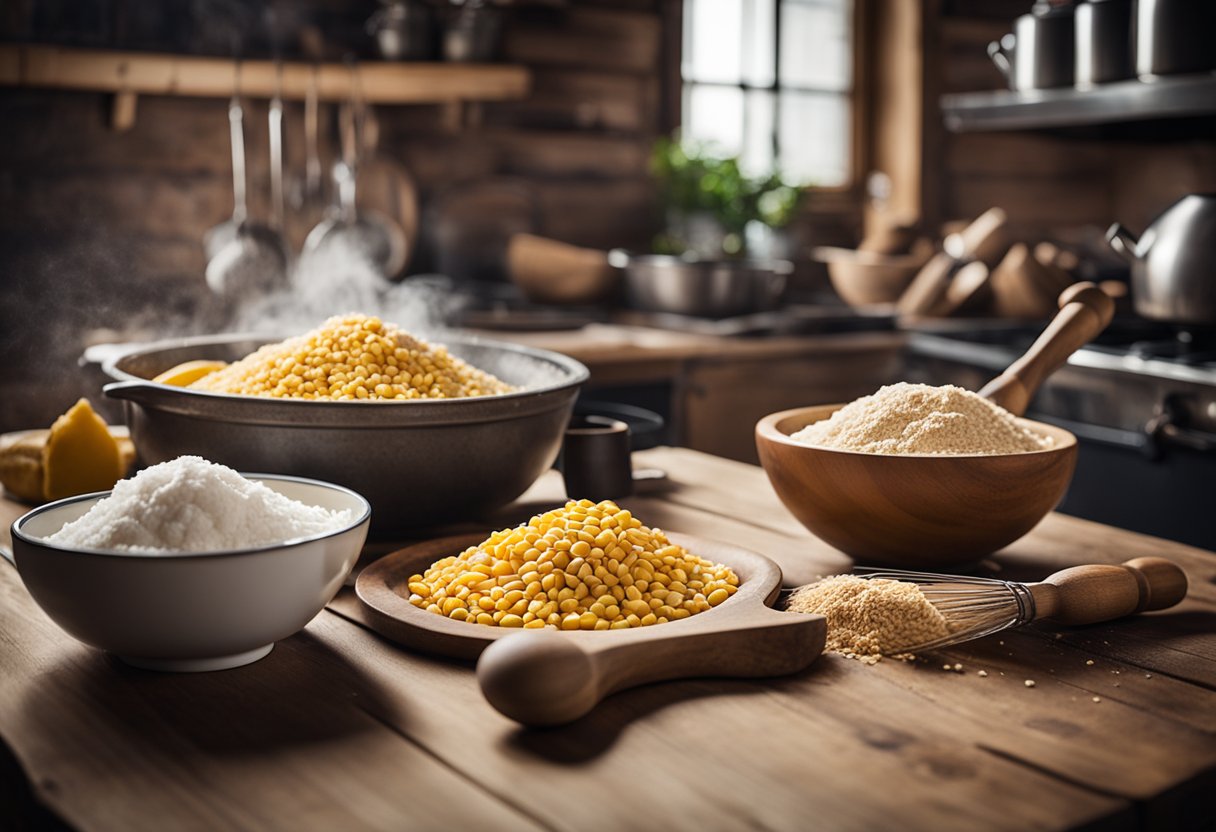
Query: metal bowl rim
<point>621,258</point>
<point>576,373</point>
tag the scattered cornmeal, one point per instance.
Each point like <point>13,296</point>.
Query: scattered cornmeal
<point>982,673</point>
<point>352,358</point>
<point>1029,683</point>
<point>585,566</point>
<point>870,618</point>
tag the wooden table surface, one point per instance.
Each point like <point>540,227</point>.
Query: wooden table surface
<point>340,729</point>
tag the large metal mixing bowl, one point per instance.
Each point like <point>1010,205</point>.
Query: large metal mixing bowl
<point>703,288</point>
<point>418,462</point>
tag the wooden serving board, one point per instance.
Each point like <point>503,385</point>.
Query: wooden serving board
<point>550,677</point>
<point>382,588</point>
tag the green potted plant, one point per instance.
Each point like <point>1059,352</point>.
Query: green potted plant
<point>709,204</point>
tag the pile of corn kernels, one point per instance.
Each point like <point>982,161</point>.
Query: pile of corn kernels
<point>585,566</point>
<point>350,358</point>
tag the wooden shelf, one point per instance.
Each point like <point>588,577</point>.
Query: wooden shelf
<point>142,73</point>
<point>1183,96</point>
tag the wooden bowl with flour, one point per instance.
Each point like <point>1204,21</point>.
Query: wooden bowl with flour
<point>951,506</point>
<point>915,510</point>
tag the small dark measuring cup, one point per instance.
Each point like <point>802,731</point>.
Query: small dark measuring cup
<point>595,461</point>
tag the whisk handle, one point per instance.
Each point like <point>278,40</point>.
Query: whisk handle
<point>1103,592</point>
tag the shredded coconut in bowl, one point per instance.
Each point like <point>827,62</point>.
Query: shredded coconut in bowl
<point>922,419</point>
<point>191,505</point>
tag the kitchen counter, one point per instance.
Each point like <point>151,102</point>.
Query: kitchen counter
<point>622,353</point>
<point>714,388</point>
<point>340,729</point>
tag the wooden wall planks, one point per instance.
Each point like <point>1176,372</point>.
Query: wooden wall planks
<point>119,211</point>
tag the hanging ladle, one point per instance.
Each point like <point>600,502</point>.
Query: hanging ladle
<point>345,232</point>
<point>250,260</point>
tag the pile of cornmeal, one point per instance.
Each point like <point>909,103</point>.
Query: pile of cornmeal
<point>871,617</point>
<point>922,419</point>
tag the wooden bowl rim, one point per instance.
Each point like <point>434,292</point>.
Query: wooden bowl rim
<point>767,429</point>
<point>759,583</point>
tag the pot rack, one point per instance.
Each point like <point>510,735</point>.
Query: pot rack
<point>127,75</point>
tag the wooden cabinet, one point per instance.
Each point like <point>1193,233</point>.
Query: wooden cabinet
<point>717,401</point>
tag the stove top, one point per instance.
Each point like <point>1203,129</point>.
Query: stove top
<point>1131,345</point>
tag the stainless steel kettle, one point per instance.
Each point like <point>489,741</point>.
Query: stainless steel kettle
<point>1174,262</point>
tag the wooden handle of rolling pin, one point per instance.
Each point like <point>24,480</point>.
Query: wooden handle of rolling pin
<point>550,678</point>
<point>1103,592</point>
<point>1085,310</point>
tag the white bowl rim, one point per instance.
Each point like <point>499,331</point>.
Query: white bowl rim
<point>363,517</point>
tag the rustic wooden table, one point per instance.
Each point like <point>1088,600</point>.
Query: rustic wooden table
<point>340,729</point>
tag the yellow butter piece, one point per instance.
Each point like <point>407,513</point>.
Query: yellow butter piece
<point>188,372</point>
<point>81,455</point>
<point>21,464</point>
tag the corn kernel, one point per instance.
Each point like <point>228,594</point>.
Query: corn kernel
<point>584,566</point>
<point>348,358</point>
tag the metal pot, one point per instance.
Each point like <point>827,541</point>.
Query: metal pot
<point>419,463</point>
<point>1039,53</point>
<point>472,33</point>
<point>1104,42</point>
<point>1174,36</point>
<point>1174,262</point>
<point>403,30</point>
<point>702,288</point>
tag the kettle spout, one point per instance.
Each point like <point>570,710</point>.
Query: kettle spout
<point>1123,242</point>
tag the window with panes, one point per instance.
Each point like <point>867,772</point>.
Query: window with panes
<point>771,82</point>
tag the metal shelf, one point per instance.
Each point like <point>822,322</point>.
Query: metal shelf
<point>1182,96</point>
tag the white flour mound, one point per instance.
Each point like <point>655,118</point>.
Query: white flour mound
<point>191,505</point>
<point>922,419</point>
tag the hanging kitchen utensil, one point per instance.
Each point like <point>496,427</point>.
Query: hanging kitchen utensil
<point>388,194</point>
<point>1174,262</point>
<point>275,119</point>
<point>312,162</point>
<point>344,233</point>
<point>253,261</point>
<point>215,238</point>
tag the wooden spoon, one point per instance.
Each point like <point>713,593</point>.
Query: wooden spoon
<point>1085,310</point>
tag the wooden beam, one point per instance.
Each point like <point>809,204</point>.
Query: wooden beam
<point>380,82</point>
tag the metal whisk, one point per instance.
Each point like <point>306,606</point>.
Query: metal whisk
<point>978,607</point>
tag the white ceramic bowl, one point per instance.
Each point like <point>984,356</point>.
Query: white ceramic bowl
<point>189,611</point>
